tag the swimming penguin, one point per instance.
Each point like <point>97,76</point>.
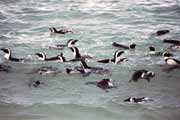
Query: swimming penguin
<point>142,74</point>
<point>35,83</point>
<point>42,56</point>
<point>153,52</point>
<point>131,46</point>
<point>9,57</point>
<point>169,60</point>
<point>62,31</point>
<point>116,58</point>
<point>77,55</point>
<point>137,100</point>
<point>70,43</point>
<point>103,84</point>
<point>162,32</point>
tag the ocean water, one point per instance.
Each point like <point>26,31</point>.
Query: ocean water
<point>96,24</point>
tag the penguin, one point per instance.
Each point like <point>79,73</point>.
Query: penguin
<point>116,58</point>
<point>42,56</point>
<point>103,84</point>
<point>169,60</point>
<point>35,83</point>
<point>62,31</point>
<point>142,74</point>
<point>70,43</point>
<point>137,100</point>
<point>9,57</point>
<point>153,52</point>
<point>162,32</point>
<point>131,46</point>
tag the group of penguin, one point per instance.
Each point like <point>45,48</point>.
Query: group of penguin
<point>85,69</point>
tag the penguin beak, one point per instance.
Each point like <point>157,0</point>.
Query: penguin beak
<point>38,54</point>
<point>75,41</point>
<point>2,49</point>
<point>5,50</point>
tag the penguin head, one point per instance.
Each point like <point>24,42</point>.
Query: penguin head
<point>42,56</point>
<point>133,45</point>
<point>6,50</point>
<point>118,53</point>
<point>152,48</point>
<point>71,42</point>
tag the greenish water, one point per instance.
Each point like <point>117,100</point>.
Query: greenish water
<point>96,24</point>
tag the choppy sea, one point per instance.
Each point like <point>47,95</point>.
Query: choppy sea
<point>24,27</point>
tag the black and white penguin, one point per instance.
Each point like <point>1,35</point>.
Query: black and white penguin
<point>116,58</point>
<point>35,83</point>
<point>153,52</point>
<point>142,74</point>
<point>42,56</point>
<point>70,43</point>
<point>103,84</point>
<point>162,32</point>
<point>169,60</point>
<point>62,31</point>
<point>9,57</point>
<point>131,46</point>
<point>137,100</point>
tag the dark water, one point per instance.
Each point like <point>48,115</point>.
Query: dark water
<point>97,23</point>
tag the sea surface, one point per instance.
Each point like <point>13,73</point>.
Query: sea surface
<point>24,27</point>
